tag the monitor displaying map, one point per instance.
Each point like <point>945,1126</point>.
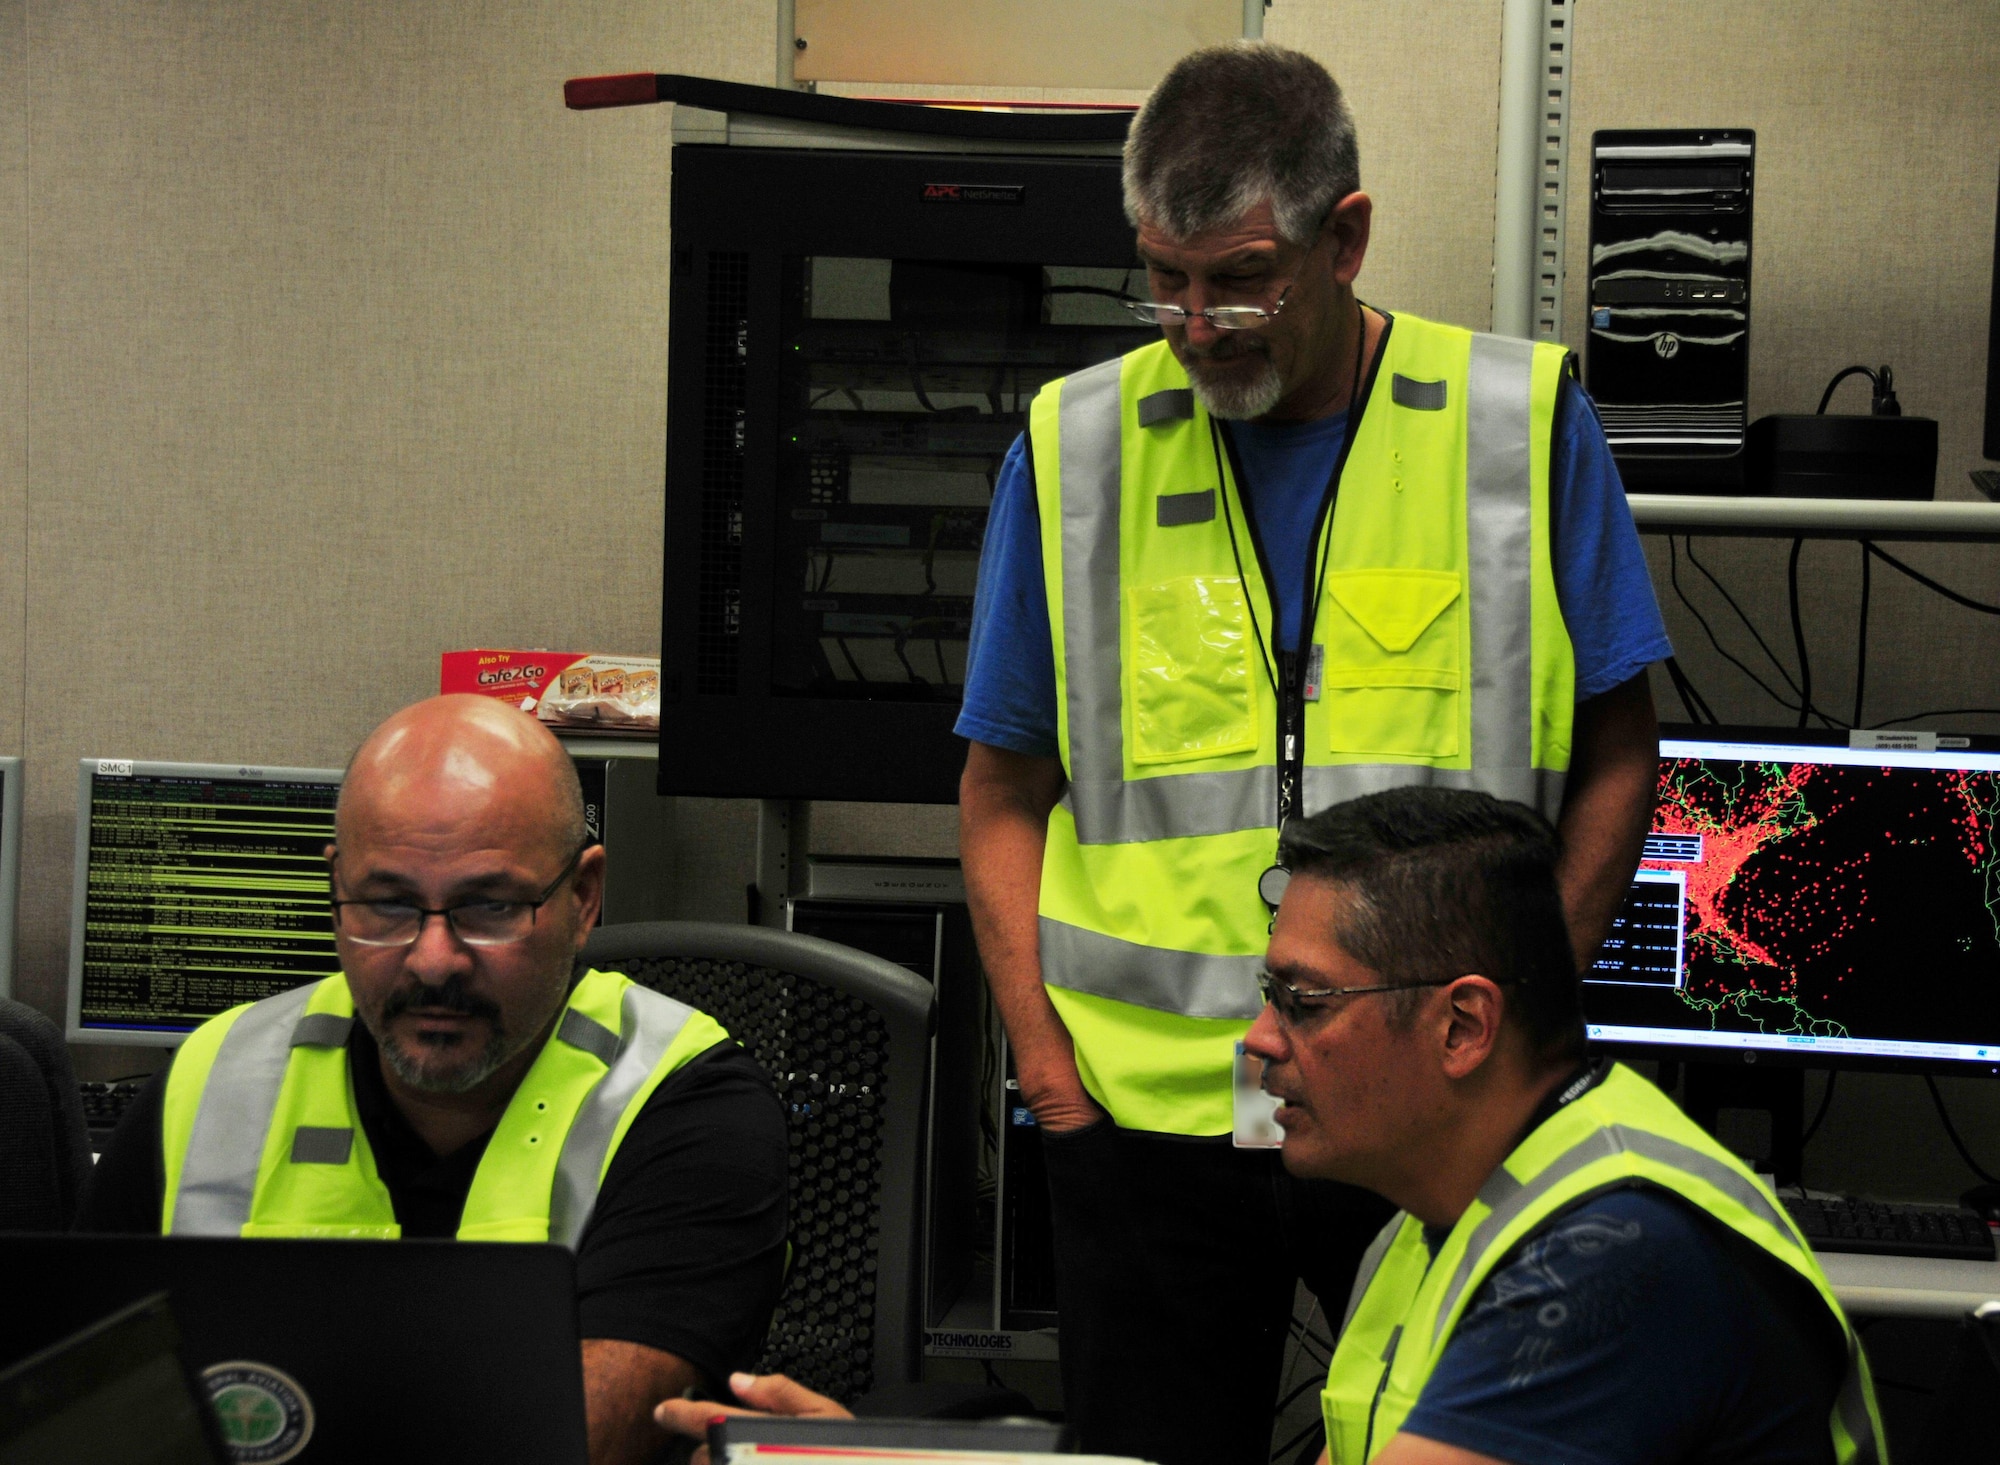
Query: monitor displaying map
<point>1832,902</point>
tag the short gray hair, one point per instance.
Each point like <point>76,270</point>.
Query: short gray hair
<point>1233,126</point>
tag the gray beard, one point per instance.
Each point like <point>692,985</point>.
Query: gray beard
<point>1238,400</point>
<point>422,1075</point>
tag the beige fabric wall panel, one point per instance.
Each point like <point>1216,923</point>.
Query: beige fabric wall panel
<point>13,360</point>
<point>1423,81</point>
<point>1878,146</point>
<point>347,345</point>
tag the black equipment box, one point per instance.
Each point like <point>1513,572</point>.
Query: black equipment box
<point>1842,456</point>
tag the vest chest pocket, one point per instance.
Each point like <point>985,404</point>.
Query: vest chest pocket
<point>1190,669</point>
<point>1394,663</point>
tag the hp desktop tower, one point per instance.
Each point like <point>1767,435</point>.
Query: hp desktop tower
<point>1668,359</point>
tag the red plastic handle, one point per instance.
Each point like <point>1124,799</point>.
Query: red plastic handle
<point>632,89</point>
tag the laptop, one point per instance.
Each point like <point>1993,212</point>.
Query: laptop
<point>324,1351</point>
<point>117,1390</point>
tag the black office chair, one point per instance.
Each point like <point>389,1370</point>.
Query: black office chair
<point>845,1037</point>
<point>44,1148</point>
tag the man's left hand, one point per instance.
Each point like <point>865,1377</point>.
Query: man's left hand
<point>770,1393</point>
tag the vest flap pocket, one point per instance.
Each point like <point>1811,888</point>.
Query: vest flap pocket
<point>1190,669</point>
<point>1393,665</point>
<point>1394,607</point>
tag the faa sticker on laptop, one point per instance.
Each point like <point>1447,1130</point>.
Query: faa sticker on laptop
<point>264,1415</point>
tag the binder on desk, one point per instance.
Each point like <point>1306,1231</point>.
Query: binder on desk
<point>800,1441</point>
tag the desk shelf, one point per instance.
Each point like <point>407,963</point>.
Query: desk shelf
<point>1785,518</point>
<point>1909,1286</point>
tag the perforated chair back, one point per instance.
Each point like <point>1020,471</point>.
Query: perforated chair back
<point>845,1037</point>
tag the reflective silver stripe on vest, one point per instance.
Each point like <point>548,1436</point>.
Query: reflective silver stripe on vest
<point>649,1024</point>
<point>226,1147</point>
<point>1171,806</point>
<point>1327,785</point>
<point>1601,1144</point>
<point>1109,809</point>
<point>1190,983</point>
<point>1852,1407</point>
<point>1371,1263</point>
<point>1500,536</point>
<point>1088,428</point>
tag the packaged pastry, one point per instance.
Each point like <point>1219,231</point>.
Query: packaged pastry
<point>566,689</point>
<point>602,691</point>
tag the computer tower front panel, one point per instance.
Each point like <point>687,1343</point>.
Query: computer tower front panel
<point>1668,361</point>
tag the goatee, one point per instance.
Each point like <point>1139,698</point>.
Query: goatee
<point>1236,395</point>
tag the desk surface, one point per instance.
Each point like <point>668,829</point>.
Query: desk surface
<point>1785,518</point>
<point>1909,1286</point>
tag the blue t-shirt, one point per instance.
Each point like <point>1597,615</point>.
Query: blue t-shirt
<point>1635,1330</point>
<point>1601,578</point>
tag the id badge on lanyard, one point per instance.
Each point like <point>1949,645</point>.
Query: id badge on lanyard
<point>1256,1112</point>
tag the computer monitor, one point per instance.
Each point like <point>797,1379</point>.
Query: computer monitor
<point>198,887</point>
<point>1805,900</point>
<point>10,866</point>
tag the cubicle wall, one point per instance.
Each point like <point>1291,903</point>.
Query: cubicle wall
<point>302,383</point>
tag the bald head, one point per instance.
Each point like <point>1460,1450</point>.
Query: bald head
<point>467,753</point>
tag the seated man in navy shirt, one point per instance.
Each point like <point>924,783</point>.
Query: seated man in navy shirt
<point>1578,1274</point>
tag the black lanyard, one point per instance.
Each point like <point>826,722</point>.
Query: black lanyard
<point>1288,677</point>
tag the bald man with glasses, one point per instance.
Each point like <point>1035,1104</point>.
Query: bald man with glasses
<point>462,1076</point>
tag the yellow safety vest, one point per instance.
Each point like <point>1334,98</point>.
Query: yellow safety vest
<point>1445,661</point>
<point>261,1137</point>
<point>1622,1132</point>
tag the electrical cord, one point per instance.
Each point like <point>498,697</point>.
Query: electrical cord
<point>1673,575</point>
<point>1697,707</point>
<point>1748,624</point>
<point>1941,712</point>
<point>1882,395</point>
<point>1929,584</point>
<point>1952,1130</point>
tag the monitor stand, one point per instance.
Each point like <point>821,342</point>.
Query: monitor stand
<point>1759,1113</point>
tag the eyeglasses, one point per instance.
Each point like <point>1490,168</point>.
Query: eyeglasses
<point>475,922</point>
<point>1226,317</point>
<point>1222,317</point>
<point>1294,1005</point>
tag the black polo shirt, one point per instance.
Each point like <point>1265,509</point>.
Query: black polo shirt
<point>685,1250</point>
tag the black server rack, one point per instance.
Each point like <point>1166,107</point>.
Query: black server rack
<point>854,342</point>
<point>1668,359</point>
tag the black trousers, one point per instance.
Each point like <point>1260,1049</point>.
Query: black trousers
<point>1176,1261</point>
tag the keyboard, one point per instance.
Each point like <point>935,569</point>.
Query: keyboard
<point>1891,1228</point>
<point>104,1104</point>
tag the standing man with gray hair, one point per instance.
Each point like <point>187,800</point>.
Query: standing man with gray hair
<point>1299,550</point>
